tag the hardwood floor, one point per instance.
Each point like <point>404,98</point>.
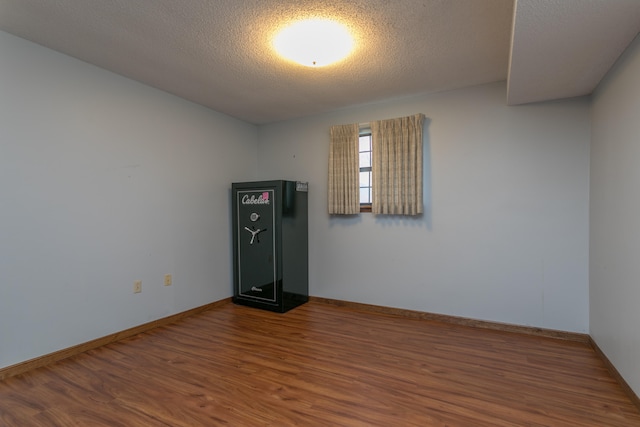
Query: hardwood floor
<point>321,365</point>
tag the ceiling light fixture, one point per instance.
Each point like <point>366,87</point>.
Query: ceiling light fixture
<point>314,42</point>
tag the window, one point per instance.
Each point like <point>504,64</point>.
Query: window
<point>365,170</point>
<point>390,186</point>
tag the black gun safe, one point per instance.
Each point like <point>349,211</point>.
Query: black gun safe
<point>270,244</point>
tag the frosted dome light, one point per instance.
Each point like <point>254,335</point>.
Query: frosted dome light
<point>314,42</point>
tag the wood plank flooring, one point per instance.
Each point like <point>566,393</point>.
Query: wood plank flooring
<point>321,365</point>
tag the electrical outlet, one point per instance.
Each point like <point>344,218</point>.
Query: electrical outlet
<point>137,286</point>
<point>167,280</point>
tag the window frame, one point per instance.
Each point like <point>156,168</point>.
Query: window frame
<point>365,131</point>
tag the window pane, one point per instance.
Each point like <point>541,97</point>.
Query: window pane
<point>365,168</point>
<point>365,143</point>
<point>365,159</point>
<point>365,195</point>
<point>365,179</point>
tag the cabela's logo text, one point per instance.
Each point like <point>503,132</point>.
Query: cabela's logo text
<point>253,200</point>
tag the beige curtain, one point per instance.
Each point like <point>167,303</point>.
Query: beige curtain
<point>397,166</point>
<point>344,170</point>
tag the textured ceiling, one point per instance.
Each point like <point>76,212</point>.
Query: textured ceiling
<point>563,48</point>
<point>217,52</point>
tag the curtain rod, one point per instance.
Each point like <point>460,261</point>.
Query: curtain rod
<point>368,124</point>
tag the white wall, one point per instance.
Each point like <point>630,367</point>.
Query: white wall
<point>615,216</point>
<point>505,236</point>
<point>104,181</point>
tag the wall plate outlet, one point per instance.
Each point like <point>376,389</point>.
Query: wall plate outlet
<point>167,280</point>
<point>137,286</point>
